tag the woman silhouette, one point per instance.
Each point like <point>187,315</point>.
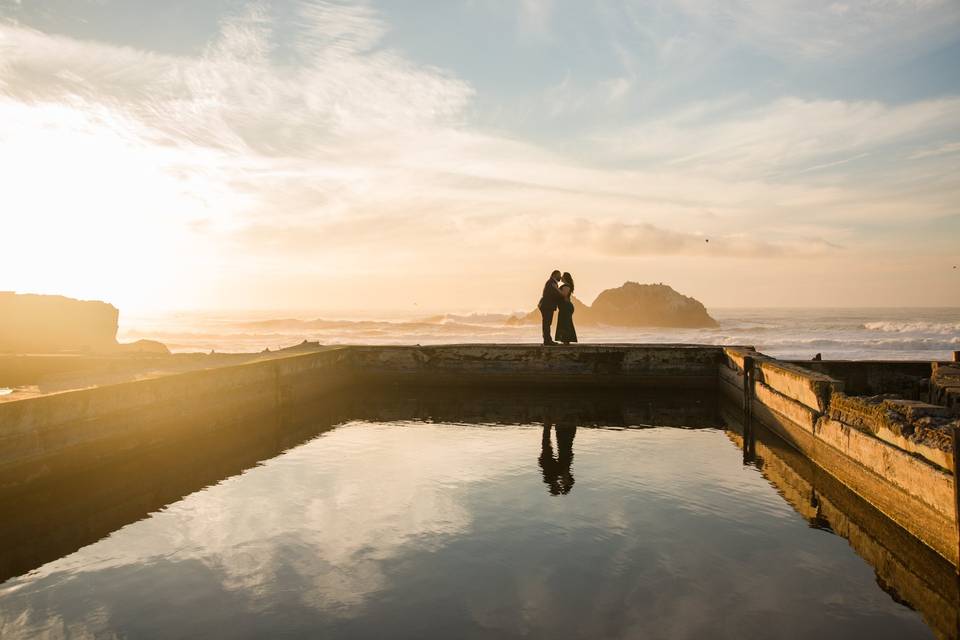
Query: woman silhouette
<point>566,332</point>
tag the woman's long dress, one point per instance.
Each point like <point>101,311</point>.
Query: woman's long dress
<point>565,329</point>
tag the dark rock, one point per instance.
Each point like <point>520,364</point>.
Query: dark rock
<point>144,346</point>
<point>649,305</point>
<point>42,324</point>
<point>45,324</point>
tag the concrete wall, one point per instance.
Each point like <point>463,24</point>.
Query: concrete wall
<point>945,385</point>
<point>124,416</point>
<point>874,377</point>
<point>794,403</point>
<point>648,366</point>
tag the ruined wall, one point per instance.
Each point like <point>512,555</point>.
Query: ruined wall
<point>875,377</point>
<point>945,386</point>
<point>131,415</point>
<point>648,366</point>
<point>906,478</point>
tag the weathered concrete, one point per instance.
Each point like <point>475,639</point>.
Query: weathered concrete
<point>32,375</point>
<point>912,513</point>
<point>604,366</point>
<point>945,386</point>
<point>786,406</point>
<point>913,426</point>
<point>874,377</point>
<point>914,491</point>
<point>39,428</point>
<point>808,387</point>
<point>910,473</point>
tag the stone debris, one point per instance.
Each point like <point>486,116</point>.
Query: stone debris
<point>945,386</point>
<point>919,422</point>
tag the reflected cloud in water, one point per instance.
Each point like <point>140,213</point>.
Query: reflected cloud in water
<point>418,528</point>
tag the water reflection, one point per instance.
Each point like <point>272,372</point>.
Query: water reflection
<point>906,569</point>
<point>394,522</point>
<point>556,470</point>
<point>65,503</point>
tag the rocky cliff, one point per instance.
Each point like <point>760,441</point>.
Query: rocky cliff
<point>48,324</point>
<point>649,305</point>
<point>640,305</point>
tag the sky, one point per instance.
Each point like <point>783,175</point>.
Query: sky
<point>447,155</point>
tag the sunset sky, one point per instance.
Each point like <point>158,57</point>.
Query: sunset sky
<point>221,154</point>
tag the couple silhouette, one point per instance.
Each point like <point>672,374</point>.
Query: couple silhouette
<point>557,474</point>
<point>558,299</point>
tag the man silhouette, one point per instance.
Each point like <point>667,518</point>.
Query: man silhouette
<point>548,305</point>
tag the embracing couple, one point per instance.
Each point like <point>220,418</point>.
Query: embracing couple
<point>558,298</point>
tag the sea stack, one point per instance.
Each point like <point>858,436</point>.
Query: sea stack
<point>649,305</point>
<point>50,324</point>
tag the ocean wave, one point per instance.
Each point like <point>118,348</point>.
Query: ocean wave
<point>942,328</point>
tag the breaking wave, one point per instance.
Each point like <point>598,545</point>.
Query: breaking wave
<point>792,334</point>
<point>943,328</point>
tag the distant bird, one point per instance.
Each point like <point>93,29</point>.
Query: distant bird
<point>708,240</point>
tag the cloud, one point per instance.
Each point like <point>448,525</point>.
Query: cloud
<point>310,147</point>
<point>633,240</point>
<point>938,150</point>
<point>811,30</point>
<point>788,134</point>
<point>235,95</point>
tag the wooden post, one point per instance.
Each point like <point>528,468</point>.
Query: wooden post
<point>748,377</point>
<point>956,492</point>
<point>956,356</point>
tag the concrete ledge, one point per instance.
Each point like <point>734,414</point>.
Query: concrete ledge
<point>909,425</point>
<point>945,386</point>
<point>36,428</point>
<point>663,366</point>
<point>802,385</point>
<point>923,521</point>
<point>910,473</point>
<point>797,412</point>
<point>873,377</point>
<point>914,493</point>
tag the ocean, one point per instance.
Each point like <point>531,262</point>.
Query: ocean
<point>846,334</point>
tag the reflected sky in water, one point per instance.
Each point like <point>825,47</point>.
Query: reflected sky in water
<point>414,529</point>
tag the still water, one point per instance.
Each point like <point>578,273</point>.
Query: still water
<point>480,527</point>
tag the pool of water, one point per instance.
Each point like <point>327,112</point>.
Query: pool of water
<point>431,526</point>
